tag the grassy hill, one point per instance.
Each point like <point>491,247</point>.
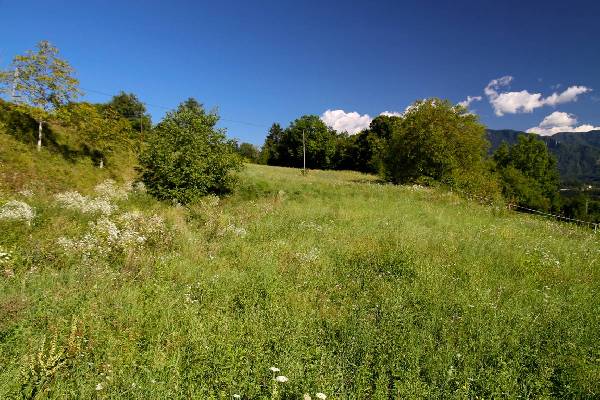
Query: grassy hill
<point>351,288</point>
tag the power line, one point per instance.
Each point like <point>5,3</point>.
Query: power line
<point>170,108</point>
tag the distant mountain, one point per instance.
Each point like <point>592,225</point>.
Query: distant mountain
<point>578,154</point>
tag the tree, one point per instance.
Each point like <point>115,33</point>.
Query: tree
<point>131,108</point>
<point>249,152</point>
<point>41,82</point>
<point>187,157</point>
<point>434,140</point>
<point>269,154</point>
<point>529,173</point>
<point>319,139</point>
<point>101,128</point>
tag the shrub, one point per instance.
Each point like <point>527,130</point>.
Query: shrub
<point>186,157</point>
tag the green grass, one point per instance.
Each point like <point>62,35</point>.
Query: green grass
<point>352,288</point>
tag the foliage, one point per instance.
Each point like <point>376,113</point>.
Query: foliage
<point>249,152</point>
<point>270,151</point>
<point>41,82</point>
<point>286,148</point>
<point>100,128</point>
<point>186,157</point>
<point>529,173</point>
<point>130,107</point>
<point>434,139</point>
<point>577,153</point>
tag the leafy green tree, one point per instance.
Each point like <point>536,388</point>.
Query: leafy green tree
<point>41,82</point>
<point>319,139</point>
<point>249,152</point>
<point>101,128</point>
<point>269,154</point>
<point>130,107</point>
<point>382,126</point>
<point>529,173</point>
<point>186,156</point>
<point>434,140</point>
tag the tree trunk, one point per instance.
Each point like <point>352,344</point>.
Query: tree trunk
<point>39,142</point>
<point>102,163</point>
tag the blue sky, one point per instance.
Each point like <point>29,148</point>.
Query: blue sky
<point>271,61</point>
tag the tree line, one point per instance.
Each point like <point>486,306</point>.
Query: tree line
<point>434,142</point>
<point>186,156</point>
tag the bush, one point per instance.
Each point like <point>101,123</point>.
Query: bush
<point>186,157</point>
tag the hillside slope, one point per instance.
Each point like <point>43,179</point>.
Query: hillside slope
<point>351,288</point>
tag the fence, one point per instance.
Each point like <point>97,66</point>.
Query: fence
<point>593,225</point>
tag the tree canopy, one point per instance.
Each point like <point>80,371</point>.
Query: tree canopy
<point>434,140</point>
<point>187,157</point>
<point>130,107</point>
<point>40,81</point>
<point>529,173</point>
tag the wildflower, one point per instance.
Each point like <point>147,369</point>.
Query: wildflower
<point>306,396</point>
<point>274,369</point>
<point>237,231</point>
<point>17,211</point>
<point>4,257</point>
<point>321,396</point>
<point>109,190</point>
<point>78,202</point>
<point>281,379</point>
<point>26,193</point>
<point>139,187</point>
<point>237,396</point>
<point>99,386</point>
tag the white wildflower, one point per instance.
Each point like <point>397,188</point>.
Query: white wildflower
<point>76,201</point>
<point>5,257</point>
<point>110,190</point>
<point>99,386</point>
<point>26,193</point>
<point>126,232</point>
<point>281,379</point>
<point>139,187</point>
<point>17,211</point>
<point>311,256</point>
<point>237,396</point>
<point>321,396</point>
<point>274,369</point>
<point>306,396</point>
<point>237,231</point>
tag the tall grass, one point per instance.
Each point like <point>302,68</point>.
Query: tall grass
<point>352,288</point>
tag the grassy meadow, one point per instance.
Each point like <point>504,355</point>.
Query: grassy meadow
<point>352,288</point>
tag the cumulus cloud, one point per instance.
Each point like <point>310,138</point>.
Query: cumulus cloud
<point>523,101</point>
<point>560,122</point>
<point>342,121</point>
<point>392,113</point>
<point>467,102</point>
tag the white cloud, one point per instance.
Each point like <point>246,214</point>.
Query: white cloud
<point>392,113</point>
<point>567,96</point>
<point>467,102</point>
<point>342,121</point>
<point>523,101</point>
<point>560,122</point>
